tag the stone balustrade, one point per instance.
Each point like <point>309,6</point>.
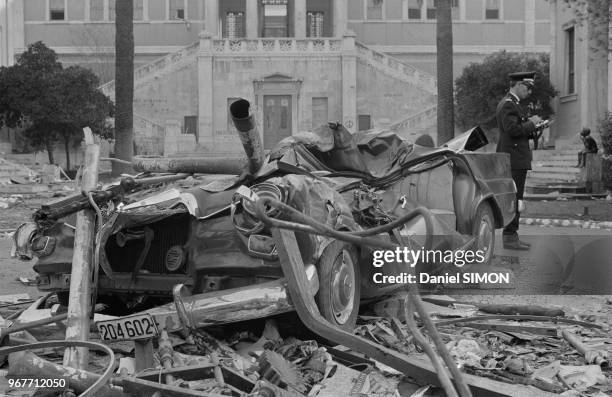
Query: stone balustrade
<point>414,119</point>
<point>399,68</point>
<point>275,45</point>
<point>161,63</point>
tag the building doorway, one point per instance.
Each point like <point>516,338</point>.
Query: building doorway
<point>277,119</point>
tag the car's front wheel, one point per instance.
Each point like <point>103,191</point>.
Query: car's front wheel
<point>339,285</point>
<point>483,230</point>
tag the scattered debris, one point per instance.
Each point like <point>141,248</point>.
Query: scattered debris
<point>212,343</point>
<point>27,281</point>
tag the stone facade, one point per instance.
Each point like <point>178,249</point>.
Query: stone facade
<point>314,80</point>
<point>294,60</point>
<point>581,70</point>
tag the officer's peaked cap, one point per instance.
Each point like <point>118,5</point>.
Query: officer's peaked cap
<point>527,78</point>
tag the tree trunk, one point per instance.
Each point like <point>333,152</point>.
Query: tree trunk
<point>49,147</point>
<point>444,63</point>
<point>67,148</point>
<point>124,84</point>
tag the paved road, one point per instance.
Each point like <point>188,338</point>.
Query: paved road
<point>559,255</point>
<point>538,271</point>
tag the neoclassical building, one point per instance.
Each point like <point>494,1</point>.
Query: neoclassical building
<point>300,62</point>
<point>581,69</point>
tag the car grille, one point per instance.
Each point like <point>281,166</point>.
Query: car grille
<point>166,233</point>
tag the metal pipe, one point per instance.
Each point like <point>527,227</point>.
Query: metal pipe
<point>249,136</point>
<point>37,323</point>
<point>86,383</point>
<point>590,355</point>
<point>222,307</point>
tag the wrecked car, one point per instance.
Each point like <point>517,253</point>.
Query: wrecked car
<point>208,240</point>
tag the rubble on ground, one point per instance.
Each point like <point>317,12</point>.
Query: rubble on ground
<point>264,359</point>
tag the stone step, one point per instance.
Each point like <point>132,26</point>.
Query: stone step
<point>555,152</point>
<point>564,157</point>
<point>536,179</point>
<point>555,187</point>
<point>552,176</point>
<point>559,170</point>
<point>554,163</point>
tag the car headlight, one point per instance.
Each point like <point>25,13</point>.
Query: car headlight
<point>42,245</point>
<point>21,241</point>
<point>28,242</point>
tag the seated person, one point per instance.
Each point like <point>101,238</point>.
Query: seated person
<point>590,146</point>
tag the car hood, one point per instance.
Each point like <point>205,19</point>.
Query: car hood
<point>371,154</point>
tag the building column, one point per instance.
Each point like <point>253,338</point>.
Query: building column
<point>145,10</point>
<point>252,19</point>
<point>212,17</point>
<point>609,107</point>
<point>3,33</point>
<point>205,90</point>
<point>462,10</point>
<point>349,82</point>
<point>14,35</point>
<point>554,71</point>
<point>299,19</point>
<point>530,24</point>
<point>340,17</point>
<point>582,75</point>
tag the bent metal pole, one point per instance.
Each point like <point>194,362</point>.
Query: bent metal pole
<point>79,302</point>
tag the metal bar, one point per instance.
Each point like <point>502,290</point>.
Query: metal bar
<point>33,324</point>
<point>293,268</point>
<point>22,362</point>
<point>145,388</point>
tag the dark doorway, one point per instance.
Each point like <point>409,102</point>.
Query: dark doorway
<point>277,119</point>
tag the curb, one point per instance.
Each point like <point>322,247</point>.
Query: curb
<point>585,224</point>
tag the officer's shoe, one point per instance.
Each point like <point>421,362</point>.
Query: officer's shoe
<point>512,242</point>
<point>526,244</point>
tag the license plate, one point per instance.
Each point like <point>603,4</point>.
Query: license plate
<point>140,326</point>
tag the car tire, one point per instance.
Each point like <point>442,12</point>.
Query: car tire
<point>339,285</point>
<point>483,229</point>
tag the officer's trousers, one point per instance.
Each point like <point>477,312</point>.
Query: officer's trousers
<point>519,177</point>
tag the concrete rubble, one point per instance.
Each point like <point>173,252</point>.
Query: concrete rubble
<point>268,338</point>
<point>264,358</point>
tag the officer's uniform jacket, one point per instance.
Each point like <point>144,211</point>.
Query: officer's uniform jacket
<point>515,132</point>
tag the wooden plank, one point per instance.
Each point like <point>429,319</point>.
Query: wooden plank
<point>531,329</point>
<point>143,351</point>
<point>79,302</point>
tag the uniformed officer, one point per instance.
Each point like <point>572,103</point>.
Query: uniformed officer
<point>515,131</point>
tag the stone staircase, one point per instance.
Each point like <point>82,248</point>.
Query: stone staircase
<point>163,66</point>
<point>152,137</point>
<point>554,170</point>
<point>415,125</point>
<point>14,169</point>
<point>396,68</point>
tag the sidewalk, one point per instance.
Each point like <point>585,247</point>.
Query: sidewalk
<point>584,213</point>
